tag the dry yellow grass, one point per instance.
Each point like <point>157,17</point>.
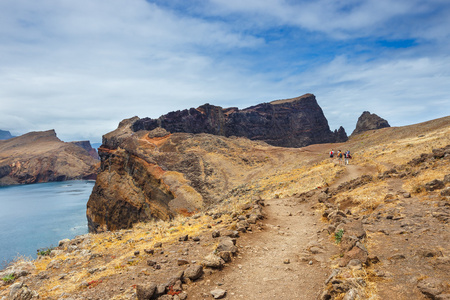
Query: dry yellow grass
<point>366,197</point>
<point>142,236</point>
<point>295,181</point>
<point>395,146</point>
<point>415,184</point>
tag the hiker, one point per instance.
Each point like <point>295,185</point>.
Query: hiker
<point>347,156</point>
<point>340,155</point>
<point>331,153</point>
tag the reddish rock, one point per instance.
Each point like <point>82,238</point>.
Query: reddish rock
<point>355,253</point>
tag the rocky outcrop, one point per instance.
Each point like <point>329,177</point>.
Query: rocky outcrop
<point>293,122</point>
<point>42,157</point>
<point>368,121</point>
<point>86,145</point>
<point>4,135</point>
<point>155,174</point>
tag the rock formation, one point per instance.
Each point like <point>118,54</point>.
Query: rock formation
<point>368,121</point>
<point>86,145</point>
<point>293,122</point>
<point>4,135</point>
<point>42,157</point>
<point>184,161</point>
<point>154,174</point>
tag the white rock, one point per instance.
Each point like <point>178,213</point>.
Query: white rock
<point>218,293</point>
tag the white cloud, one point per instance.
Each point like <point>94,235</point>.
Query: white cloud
<point>347,19</point>
<point>82,66</point>
<point>69,60</point>
<point>404,92</point>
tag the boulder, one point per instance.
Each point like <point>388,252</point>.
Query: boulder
<point>226,244</point>
<point>218,293</point>
<point>20,291</point>
<point>213,261</point>
<point>230,233</point>
<point>434,185</point>
<point>446,191</point>
<point>193,272</point>
<point>355,228</point>
<point>431,287</point>
<point>354,253</point>
<point>145,292</point>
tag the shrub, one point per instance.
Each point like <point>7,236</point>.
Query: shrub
<point>44,251</point>
<point>338,235</point>
<point>9,278</point>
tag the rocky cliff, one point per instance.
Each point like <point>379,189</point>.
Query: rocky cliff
<point>86,145</point>
<point>293,122</point>
<point>155,174</point>
<point>4,135</point>
<point>42,157</point>
<point>368,121</point>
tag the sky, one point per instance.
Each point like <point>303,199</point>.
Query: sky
<point>80,67</point>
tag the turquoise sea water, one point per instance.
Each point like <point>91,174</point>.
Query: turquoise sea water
<point>39,215</point>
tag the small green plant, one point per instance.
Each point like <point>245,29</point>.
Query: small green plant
<point>338,235</point>
<point>8,278</point>
<point>44,251</point>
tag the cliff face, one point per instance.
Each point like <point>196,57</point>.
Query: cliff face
<point>293,122</point>
<point>155,174</point>
<point>184,161</point>
<point>4,135</point>
<point>86,145</point>
<point>368,121</point>
<point>42,157</point>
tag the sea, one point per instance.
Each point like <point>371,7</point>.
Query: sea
<point>38,216</point>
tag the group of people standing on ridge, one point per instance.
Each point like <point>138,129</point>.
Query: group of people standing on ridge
<point>343,157</point>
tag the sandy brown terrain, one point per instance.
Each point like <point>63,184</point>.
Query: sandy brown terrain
<point>390,207</point>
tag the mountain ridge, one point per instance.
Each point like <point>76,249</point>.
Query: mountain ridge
<point>295,122</point>
<point>41,157</point>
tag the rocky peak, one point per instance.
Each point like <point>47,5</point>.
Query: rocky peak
<point>4,135</point>
<point>368,121</point>
<point>86,145</point>
<point>340,134</point>
<point>295,122</point>
<point>306,97</point>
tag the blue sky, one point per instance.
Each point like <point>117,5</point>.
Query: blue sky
<point>80,67</point>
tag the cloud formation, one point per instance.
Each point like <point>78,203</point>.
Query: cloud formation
<point>81,67</point>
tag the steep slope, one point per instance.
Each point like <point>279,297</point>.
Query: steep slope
<point>41,157</point>
<point>295,122</point>
<point>86,145</point>
<point>155,174</point>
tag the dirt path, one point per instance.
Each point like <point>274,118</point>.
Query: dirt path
<point>275,263</point>
<point>351,172</point>
<point>278,262</point>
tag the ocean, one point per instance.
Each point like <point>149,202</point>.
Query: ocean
<point>37,216</point>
